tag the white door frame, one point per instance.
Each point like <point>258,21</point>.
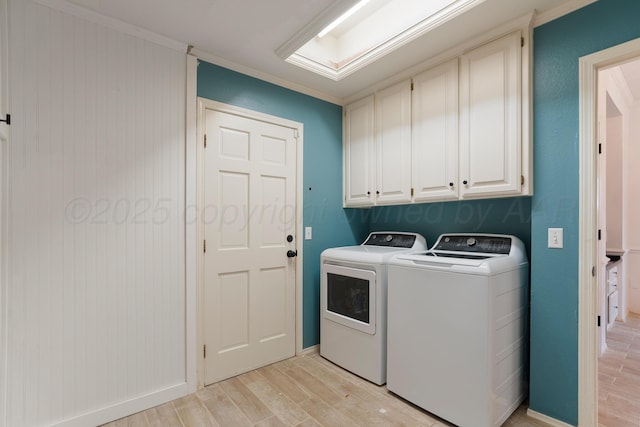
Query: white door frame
<point>204,104</point>
<point>588,224</point>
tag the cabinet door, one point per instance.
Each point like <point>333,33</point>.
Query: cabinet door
<point>490,120</point>
<point>393,144</point>
<point>358,153</point>
<point>434,135</point>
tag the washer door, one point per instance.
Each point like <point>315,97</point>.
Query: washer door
<point>348,297</point>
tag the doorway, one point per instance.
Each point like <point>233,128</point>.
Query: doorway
<point>591,266</point>
<point>249,181</point>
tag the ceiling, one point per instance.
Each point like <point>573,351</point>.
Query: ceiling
<point>244,34</point>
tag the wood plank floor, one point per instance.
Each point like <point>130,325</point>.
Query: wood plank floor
<point>305,391</point>
<point>619,376</point>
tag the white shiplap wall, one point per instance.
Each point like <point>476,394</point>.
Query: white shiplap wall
<point>96,284</point>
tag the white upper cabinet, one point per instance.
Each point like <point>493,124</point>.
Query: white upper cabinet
<point>490,119</point>
<point>461,132</point>
<point>435,133</point>
<point>393,144</point>
<point>358,153</point>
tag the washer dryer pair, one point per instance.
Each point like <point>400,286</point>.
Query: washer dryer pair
<point>353,307</point>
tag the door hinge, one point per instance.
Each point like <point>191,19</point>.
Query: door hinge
<point>205,140</point>
<point>598,321</point>
<point>7,119</point>
<point>412,86</point>
<point>521,179</point>
<point>599,234</point>
<point>204,246</point>
<point>600,148</point>
<point>412,192</point>
<point>521,41</point>
<point>593,271</point>
<point>204,351</point>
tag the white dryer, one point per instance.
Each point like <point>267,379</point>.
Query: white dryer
<point>353,302</point>
<point>458,328</point>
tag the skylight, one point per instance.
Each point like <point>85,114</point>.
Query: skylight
<point>372,29</point>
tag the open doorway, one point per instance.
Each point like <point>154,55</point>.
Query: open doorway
<point>592,265</point>
<point>618,293</point>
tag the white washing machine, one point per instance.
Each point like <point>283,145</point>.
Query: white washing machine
<point>353,302</point>
<point>458,328</point>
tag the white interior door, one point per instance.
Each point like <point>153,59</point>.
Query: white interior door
<point>249,211</point>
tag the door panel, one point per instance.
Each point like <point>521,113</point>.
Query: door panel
<point>249,282</point>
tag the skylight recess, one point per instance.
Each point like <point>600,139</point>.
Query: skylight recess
<point>373,29</point>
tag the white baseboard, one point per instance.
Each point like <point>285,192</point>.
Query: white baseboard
<point>310,350</point>
<point>552,421</point>
<point>126,408</point>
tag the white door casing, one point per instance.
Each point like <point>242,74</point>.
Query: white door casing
<point>249,208</point>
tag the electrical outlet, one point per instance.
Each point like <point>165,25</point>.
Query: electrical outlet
<point>555,238</point>
<point>307,233</point>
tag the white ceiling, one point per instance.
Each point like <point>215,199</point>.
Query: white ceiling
<point>244,34</point>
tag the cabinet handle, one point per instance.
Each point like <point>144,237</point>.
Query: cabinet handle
<point>368,193</point>
<point>377,192</point>
<point>451,184</point>
<point>464,182</point>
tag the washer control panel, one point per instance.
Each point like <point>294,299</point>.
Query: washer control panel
<point>395,240</point>
<point>487,244</point>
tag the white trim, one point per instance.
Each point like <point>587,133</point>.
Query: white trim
<point>544,418</point>
<point>112,23</point>
<point>299,234</point>
<point>204,104</point>
<point>306,33</point>
<point>557,12</point>
<point>251,72</point>
<point>191,268</point>
<point>126,408</point>
<point>587,255</point>
<point>314,349</point>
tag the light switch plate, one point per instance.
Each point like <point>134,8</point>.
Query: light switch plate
<point>307,233</point>
<point>555,238</point>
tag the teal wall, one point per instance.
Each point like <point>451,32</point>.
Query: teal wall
<point>558,46</point>
<point>322,169</point>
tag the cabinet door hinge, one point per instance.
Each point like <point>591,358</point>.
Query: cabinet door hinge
<point>412,86</point>
<point>593,271</point>
<point>204,246</point>
<point>412,192</point>
<point>521,41</point>
<point>521,179</point>
<point>599,234</point>
<point>600,148</point>
<point>598,321</point>
<point>204,351</point>
<point>205,141</point>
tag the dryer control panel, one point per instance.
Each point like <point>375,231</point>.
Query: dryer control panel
<point>486,244</point>
<point>395,240</point>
